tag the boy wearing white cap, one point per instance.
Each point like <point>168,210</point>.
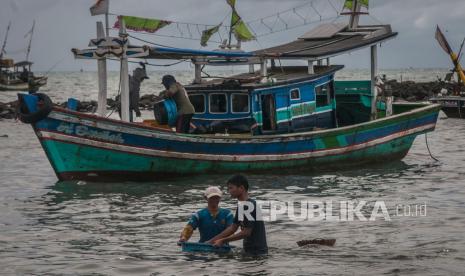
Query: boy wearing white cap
<point>211,220</point>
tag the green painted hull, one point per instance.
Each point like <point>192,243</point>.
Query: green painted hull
<point>111,164</point>
<point>113,150</point>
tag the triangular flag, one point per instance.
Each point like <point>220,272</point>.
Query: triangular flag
<point>349,4</point>
<point>442,41</point>
<point>206,34</point>
<point>241,32</point>
<point>140,24</point>
<point>232,3</point>
<point>100,7</point>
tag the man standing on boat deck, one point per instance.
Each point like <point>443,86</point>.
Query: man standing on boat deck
<point>184,106</point>
<point>252,228</point>
<point>138,76</point>
<point>211,220</point>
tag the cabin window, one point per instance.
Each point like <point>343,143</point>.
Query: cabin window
<point>198,101</point>
<point>240,103</point>
<point>295,94</point>
<point>218,103</point>
<point>323,94</point>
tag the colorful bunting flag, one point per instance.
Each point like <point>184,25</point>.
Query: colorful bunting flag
<point>239,28</point>
<point>232,3</point>
<point>206,34</point>
<point>140,24</point>
<point>100,7</point>
<point>443,41</point>
<point>349,4</point>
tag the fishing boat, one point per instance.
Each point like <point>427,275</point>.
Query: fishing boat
<point>18,76</point>
<point>272,117</point>
<point>452,102</point>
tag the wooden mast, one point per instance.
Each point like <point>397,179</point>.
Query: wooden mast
<point>30,41</point>
<point>4,41</point>
<point>102,77</point>
<point>374,73</point>
<point>124,75</point>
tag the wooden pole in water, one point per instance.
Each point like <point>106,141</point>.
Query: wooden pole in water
<point>124,76</point>
<point>374,73</point>
<point>102,77</point>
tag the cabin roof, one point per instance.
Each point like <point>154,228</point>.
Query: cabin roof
<point>23,63</point>
<point>249,81</point>
<point>317,46</point>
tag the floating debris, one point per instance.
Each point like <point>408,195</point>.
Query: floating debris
<point>327,242</point>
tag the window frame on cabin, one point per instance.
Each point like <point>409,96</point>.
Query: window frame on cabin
<point>209,103</point>
<point>328,94</point>
<point>248,103</point>
<point>290,94</point>
<point>204,102</point>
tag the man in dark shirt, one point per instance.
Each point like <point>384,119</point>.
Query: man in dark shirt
<point>252,227</point>
<point>184,106</point>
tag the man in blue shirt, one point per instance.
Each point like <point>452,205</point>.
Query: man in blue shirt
<point>211,220</point>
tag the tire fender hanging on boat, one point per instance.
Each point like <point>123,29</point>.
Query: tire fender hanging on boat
<point>44,107</point>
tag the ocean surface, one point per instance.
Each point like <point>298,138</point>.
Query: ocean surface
<point>80,228</point>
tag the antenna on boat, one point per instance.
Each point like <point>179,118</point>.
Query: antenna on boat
<point>31,32</point>
<point>4,41</point>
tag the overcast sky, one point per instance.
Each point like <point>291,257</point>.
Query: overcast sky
<point>65,24</point>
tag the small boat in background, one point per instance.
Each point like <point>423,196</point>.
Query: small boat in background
<point>18,76</point>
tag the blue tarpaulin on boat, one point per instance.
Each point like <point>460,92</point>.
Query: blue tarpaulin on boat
<point>302,48</point>
<point>180,53</point>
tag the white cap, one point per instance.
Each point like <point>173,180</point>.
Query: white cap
<point>213,191</point>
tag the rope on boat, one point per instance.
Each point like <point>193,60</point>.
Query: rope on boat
<point>298,16</point>
<point>429,151</point>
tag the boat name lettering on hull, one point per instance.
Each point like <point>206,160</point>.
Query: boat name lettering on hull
<point>84,131</point>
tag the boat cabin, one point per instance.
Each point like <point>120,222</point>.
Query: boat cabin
<point>294,101</point>
<point>270,99</point>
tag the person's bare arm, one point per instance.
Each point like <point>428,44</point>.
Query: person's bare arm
<point>245,232</point>
<point>186,233</point>
<point>227,232</point>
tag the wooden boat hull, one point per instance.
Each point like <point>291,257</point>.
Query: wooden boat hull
<point>23,86</point>
<point>87,147</point>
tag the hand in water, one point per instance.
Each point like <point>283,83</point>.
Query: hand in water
<point>181,241</point>
<point>218,243</point>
